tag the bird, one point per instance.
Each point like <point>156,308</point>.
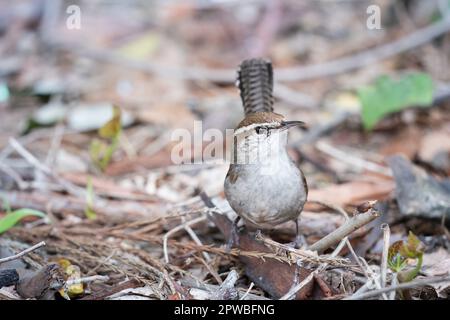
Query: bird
<point>264,186</point>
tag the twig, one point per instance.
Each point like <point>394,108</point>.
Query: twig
<point>334,207</point>
<point>407,285</point>
<point>247,292</point>
<point>298,73</point>
<point>352,160</point>
<point>132,283</point>
<point>227,291</point>
<point>305,281</point>
<point>393,283</point>
<point>79,192</point>
<point>365,268</point>
<point>22,253</point>
<point>54,145</point>
<point>299,286</point>
<point>211,271</point>
<point>348,227</point>
<point>15,176</point>
<point>194,237</point>
<point>373,275</point>
<point>363,288</point>
<point>4,294</point>
<point>176,229</point>
<point>208,289</point>
<point>370,275</point>
<point>86,279</point>
<point>384,257</point>
<point>302,255</point>
<point>364,58</point>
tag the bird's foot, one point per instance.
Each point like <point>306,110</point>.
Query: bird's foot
<point>298,243</point>
<point>234,235</point>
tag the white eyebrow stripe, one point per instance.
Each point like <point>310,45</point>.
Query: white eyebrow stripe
<point>254,125</point>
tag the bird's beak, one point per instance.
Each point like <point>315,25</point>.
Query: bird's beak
<point>289,124</point>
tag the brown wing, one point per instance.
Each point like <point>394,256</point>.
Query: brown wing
<point>232,175</point>
<point>304,183</point>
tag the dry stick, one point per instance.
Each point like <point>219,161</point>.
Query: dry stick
<point>247,292</point>
<point>54,145</point>
<point>334,67</point>
<point>305,281</point>
<point>226,286</point>
<point>348,227</point>
<point>194,237</point>
<point>352,160</point>
<point>22,253</point>
<point>384,257</point>
<point>407,285</point>
<point>8,295</point>
<point>211,271</point>
<point>79,192</point>
<point>364,268</point>
<point>86,279</point>
<point>370,276</point>
<point>302,255</point>
<point>368,272</point>
<point>364,58</point>
<point>394,282</point>
<point>442,92</point>
<point>15,176</point>
<point>176,229</point>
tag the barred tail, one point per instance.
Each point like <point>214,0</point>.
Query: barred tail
<point>255,82</point>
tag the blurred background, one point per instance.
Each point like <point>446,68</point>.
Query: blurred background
<point>370,78</point>
<point>167,63</point>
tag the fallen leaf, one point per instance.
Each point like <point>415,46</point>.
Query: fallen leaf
<point>387,96</point>
<point>437,264</point>
<point>353,192</point>
<point>8,221</point>
<point>417,193</point>
<point>435,149</point>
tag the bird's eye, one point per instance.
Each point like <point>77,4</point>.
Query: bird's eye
<point>260,130</point>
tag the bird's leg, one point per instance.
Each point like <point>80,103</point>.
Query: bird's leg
<point>300,240</point>
<point>234,234</point>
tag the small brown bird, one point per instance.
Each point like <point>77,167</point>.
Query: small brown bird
<point>263,185</point>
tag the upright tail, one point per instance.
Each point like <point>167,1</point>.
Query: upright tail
<point>255,82</point>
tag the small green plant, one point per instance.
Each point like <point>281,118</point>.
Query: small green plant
<point>13,217</point>
<point>101,151</point>
<point>400,252</point>
<point>89,209</point>
<point>387,95</point>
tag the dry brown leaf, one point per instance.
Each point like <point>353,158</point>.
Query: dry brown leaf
<point>353,192</point>
<point>401,143</point>
<point>437,264</point>
<point>433,144</point>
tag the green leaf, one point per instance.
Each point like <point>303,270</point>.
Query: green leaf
<point>413,248</point>
<point>89,211</point>
<point>8,221</point>
<point>396,261</point>
<point>102,152</point>
<point>112,128</point>
<point>386,96</point>
<point>398,254</point>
